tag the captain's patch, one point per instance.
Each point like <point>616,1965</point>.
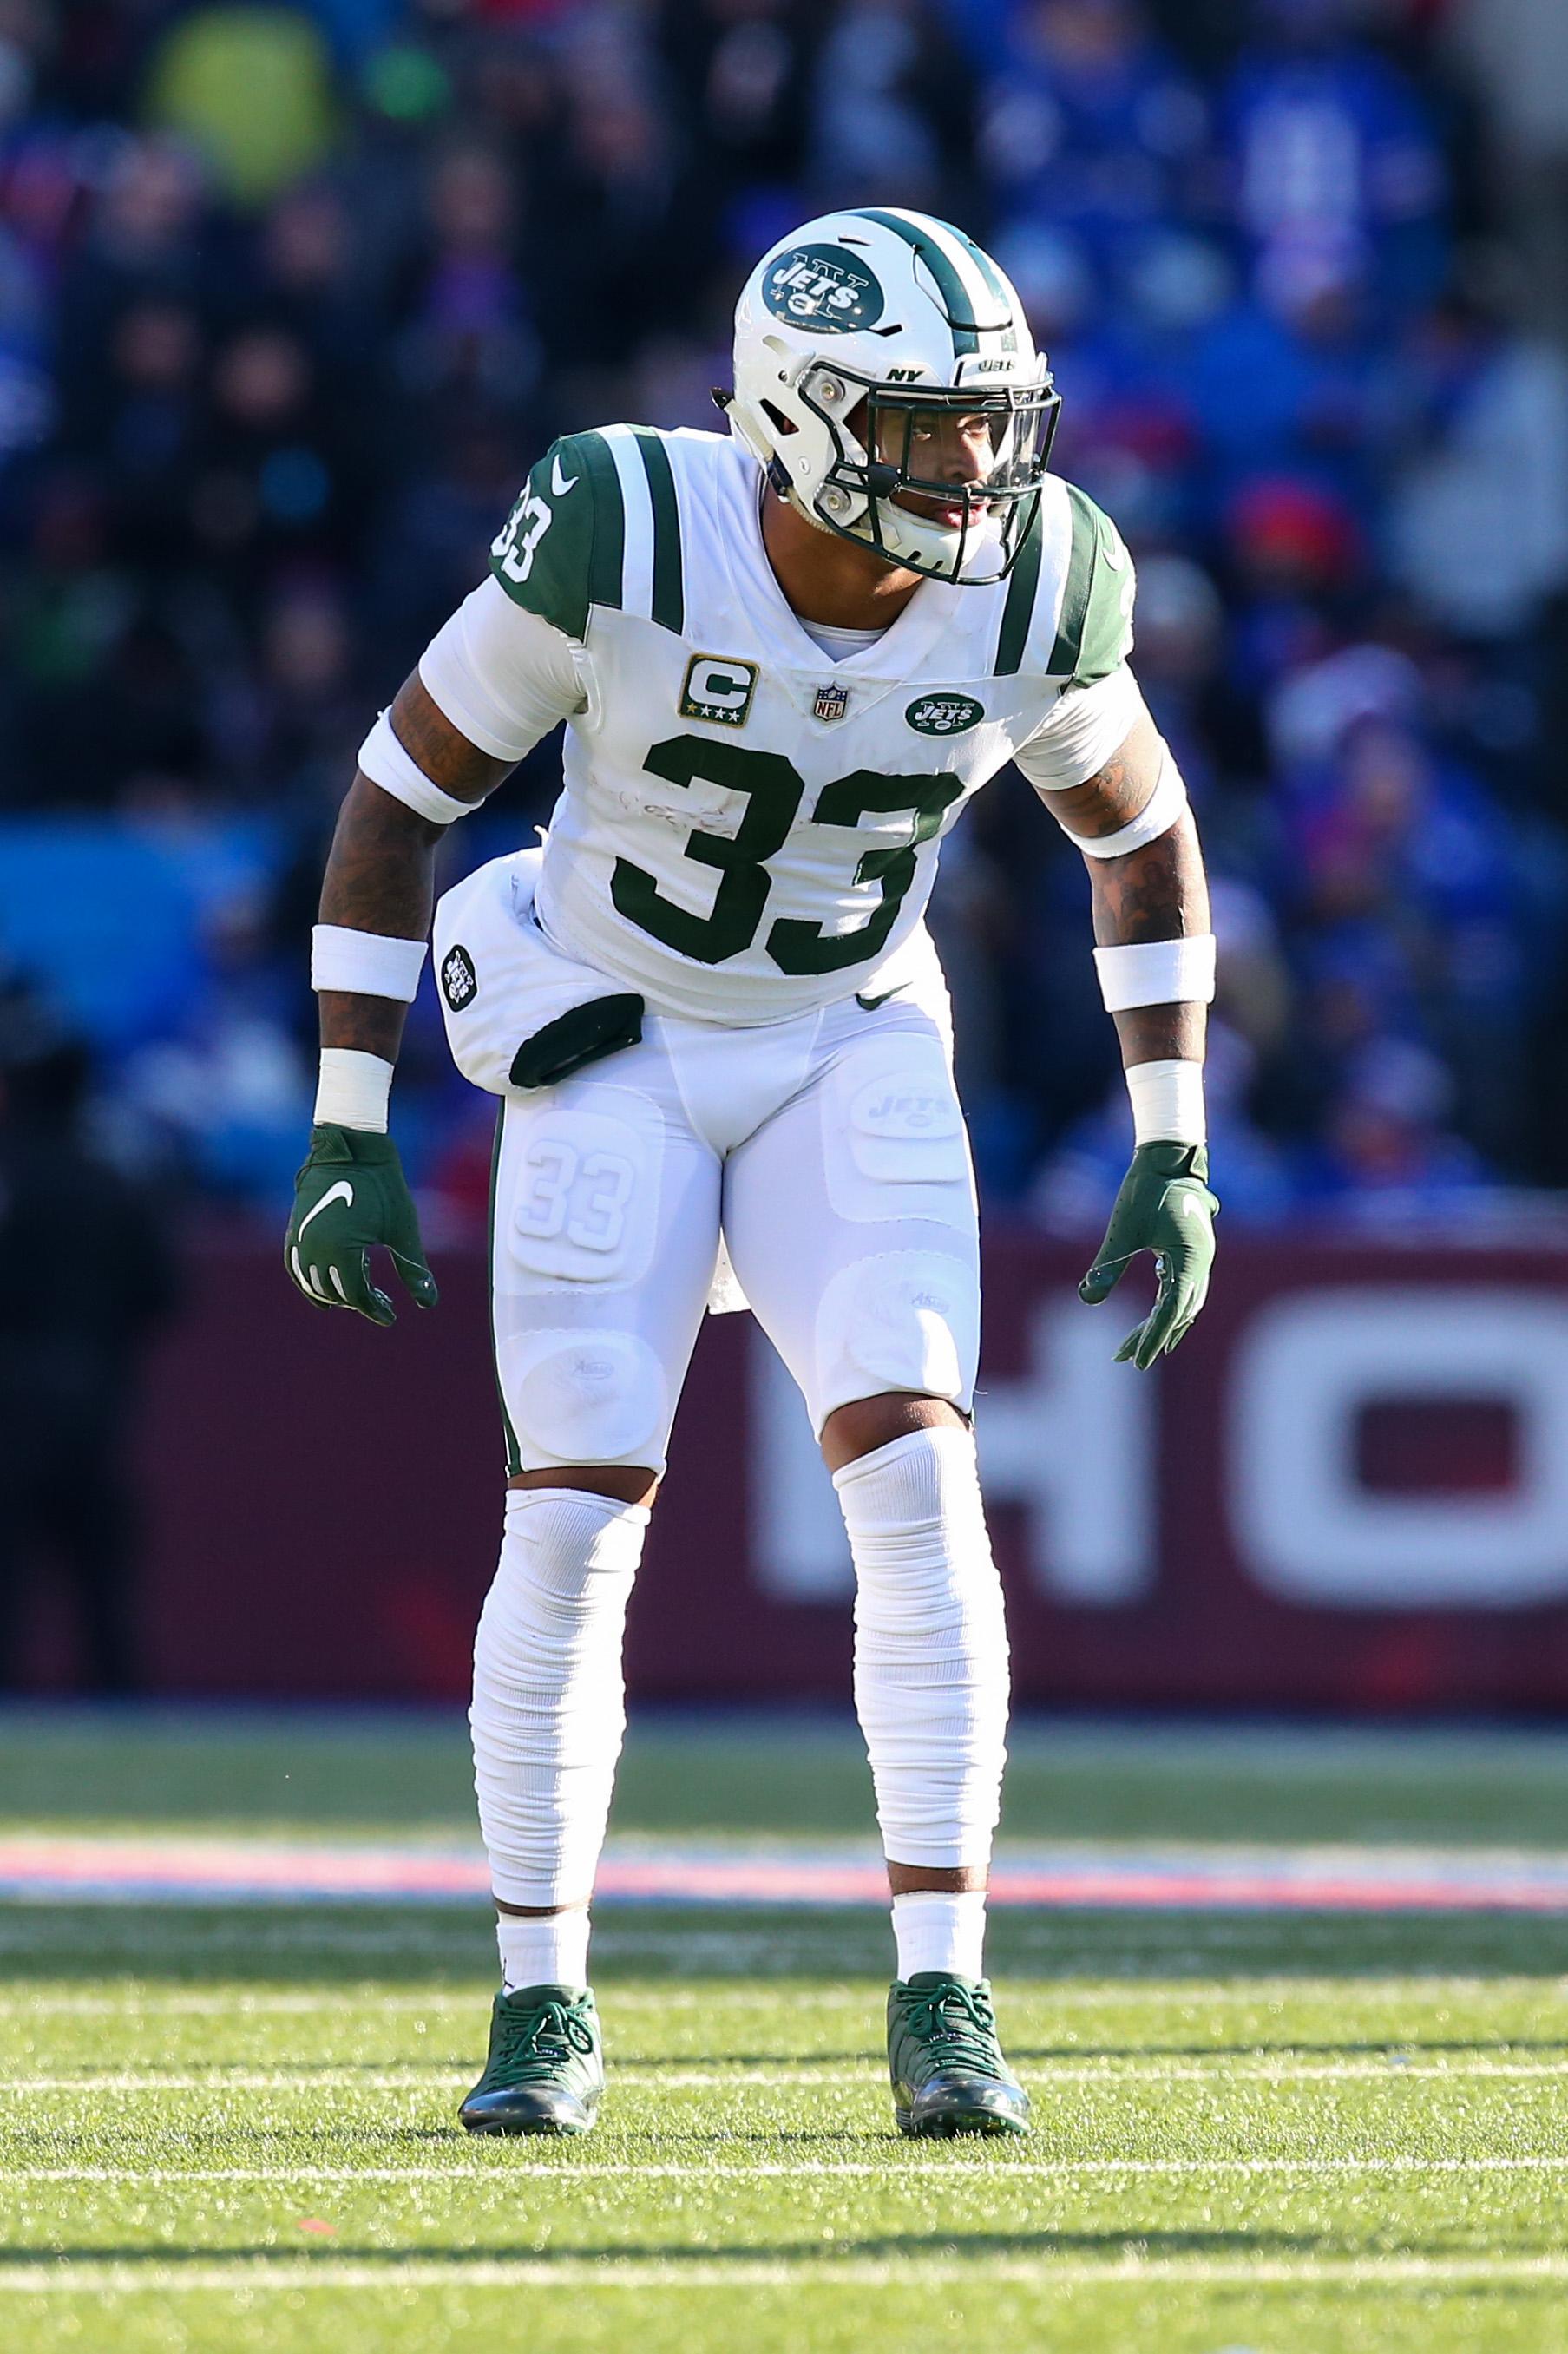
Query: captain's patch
<point>719,690</point>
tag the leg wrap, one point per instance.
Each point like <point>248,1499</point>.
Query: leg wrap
<point>930,1671</point>
<point>548,1705</point>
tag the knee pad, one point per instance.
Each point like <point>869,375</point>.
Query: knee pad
<point>906,1319</point>
<point>583,1396</point>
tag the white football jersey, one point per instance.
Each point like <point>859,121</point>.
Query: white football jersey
<point>749,828</point>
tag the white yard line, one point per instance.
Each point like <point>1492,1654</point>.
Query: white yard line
<point>898,2169</point>
<point>379,2078</point>
<point>402,2272</point>
<point>1255,1993</point>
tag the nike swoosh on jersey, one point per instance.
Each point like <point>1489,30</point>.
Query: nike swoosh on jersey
<point>561,483</point>
<point>870,1005</point>
<point>342,1191</point>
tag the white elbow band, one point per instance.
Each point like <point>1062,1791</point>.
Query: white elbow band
<point>1158,815</point>
<point>1157,972</point>
<point>352,1090</point>
<point>365,964</point>
<point>384,760</point>
<point>1167,1103</point>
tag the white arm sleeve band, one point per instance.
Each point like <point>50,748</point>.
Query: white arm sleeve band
<point>1084,727</point>
<point>384,760</point>
<point>503,676</point>
<point>1158,815</point>
<point>367,964</point>
<point>1157,972</point>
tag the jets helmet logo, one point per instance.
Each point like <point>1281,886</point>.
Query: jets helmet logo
<point>459,982</point>
<point>823,286</point>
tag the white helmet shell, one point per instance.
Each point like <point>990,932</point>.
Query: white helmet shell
<point>883,302</point>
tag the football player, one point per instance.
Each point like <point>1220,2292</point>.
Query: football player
<point>786,658</point>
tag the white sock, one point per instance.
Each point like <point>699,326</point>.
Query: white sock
<point>548,1707</point>
<point>938,1931</point>
<point>930,1665</point>
<point>547,1951</point>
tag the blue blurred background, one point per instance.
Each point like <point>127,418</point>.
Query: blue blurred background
<point>291,296</point>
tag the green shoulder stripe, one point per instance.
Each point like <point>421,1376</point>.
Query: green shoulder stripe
<point>559,551</point>
<point>668,601</point>
<point>1094,636</point>
<point>1018,611</point>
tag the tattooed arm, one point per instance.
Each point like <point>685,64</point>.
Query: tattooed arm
<point>1153,892</point>
<point>380,870</point>
<point>1158,893</point>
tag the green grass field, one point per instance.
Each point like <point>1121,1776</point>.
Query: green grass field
<point>1287,2133</point>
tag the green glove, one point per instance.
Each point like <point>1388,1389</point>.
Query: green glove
<point>350,1195</point>
<point>1164,1207</point>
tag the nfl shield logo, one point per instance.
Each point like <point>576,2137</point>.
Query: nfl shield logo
<point>831,702</point>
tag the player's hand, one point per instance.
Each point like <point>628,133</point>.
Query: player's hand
<point>1164,1207</point>
<point>351,1194</point>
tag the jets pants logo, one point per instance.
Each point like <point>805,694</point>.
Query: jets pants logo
<point>459,982</point>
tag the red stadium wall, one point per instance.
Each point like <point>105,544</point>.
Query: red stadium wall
<point>1349,1490</point>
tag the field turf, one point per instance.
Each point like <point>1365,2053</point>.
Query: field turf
<point>1287,2134</point>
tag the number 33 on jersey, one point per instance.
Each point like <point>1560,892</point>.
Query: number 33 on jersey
<point>749,829</point>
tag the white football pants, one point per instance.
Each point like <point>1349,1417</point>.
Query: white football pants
<point>829,1150</point>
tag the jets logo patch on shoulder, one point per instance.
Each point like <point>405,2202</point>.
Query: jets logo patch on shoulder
<point>943,715</point>
<point>459,982</point>
<point>718,689</point>
<point>830,702</point>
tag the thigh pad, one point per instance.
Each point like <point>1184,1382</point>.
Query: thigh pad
<point>892,1134</point>
<point>580,1192</point>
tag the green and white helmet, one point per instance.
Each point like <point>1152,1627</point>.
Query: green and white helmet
<point>857,341</point>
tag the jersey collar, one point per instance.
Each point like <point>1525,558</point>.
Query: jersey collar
<point>902,654</point>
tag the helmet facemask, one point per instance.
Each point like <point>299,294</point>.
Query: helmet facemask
<point>888,441</point>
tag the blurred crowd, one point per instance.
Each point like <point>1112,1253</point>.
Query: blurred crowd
<point>292,295</point>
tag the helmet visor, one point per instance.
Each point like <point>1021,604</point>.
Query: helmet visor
<point>967,461</point>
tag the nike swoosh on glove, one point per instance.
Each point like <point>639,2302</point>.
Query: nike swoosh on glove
<point>350,1195</point>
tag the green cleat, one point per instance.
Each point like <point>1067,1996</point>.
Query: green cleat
<point>948,2074</point>
<point>546,2069</point>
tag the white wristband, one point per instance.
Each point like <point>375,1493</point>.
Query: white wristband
<point>1167,1103</point>
<point>366,964</point>
<point>1158,815</point>
<point>1157,972</point>
<point>353,1089</point>
<point>384,761</point>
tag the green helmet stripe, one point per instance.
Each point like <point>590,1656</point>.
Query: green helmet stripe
<point>987,268</point>
<point>1019,611</point>
<point>669,604</point>
<point>956,299</point>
